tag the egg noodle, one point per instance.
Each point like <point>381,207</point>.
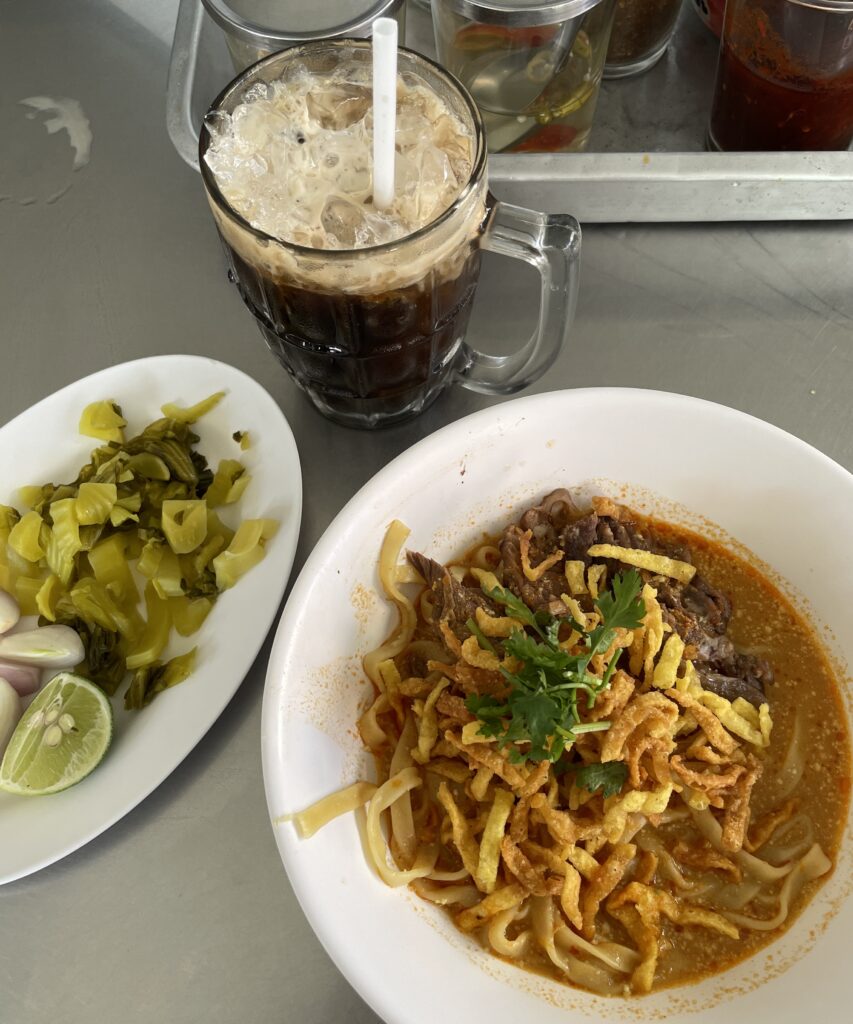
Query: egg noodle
<point>587,881</point>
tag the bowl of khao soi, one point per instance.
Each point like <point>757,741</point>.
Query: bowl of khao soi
<point>602,742</point>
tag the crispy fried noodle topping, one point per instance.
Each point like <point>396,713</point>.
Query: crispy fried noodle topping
<point>569,742</point>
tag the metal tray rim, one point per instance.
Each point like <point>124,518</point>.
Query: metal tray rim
<point>604,187</point>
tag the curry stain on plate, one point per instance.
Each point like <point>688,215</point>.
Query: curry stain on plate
<point>365,605</point>
<point>338,694</point>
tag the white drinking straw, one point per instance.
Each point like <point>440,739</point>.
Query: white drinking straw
<point>384,110</point>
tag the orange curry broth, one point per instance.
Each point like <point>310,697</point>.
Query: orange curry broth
<point>765,622</point>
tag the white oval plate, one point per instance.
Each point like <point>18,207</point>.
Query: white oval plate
<point>43,444</point>
<point>678,457</point>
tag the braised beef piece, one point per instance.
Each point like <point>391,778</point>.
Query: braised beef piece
<point>705,645</point>
<point>540,595</point>
<point>754,668</point>
<point>700,614</point>
<point>592,528</point>
<point>699,601</point>
<point>543,541</point>
<point>454,602</point>
<point>558,524</point>
<point>577,537</point>
<point>558,507</point>
<point>697,611</point>
<point>731,687</point>
<point>548,520</point>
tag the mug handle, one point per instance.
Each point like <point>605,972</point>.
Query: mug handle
<point>550,243</point>
<point>179,85</point>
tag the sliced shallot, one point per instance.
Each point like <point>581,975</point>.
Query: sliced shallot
<point>10,712</point>
<point>26,679</point>
<point>9,611</point>
<point>47,647</point>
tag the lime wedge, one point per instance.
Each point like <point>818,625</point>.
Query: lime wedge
<point>62,737</point>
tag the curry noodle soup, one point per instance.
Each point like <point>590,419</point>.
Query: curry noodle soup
<point>609,748</point>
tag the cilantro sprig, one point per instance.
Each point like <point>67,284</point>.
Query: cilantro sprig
<point>609,777</point>
<point>540,715</point>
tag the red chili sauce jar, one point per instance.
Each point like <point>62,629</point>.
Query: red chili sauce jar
<point>785,76</point>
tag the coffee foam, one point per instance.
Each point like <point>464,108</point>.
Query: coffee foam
<point>259,165</point>
<point>439,254</point>
<point>294,158</point>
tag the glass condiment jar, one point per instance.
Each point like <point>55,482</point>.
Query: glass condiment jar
<point>533,66</point>
<point>642,30</point>
<point>710,13</point>
<point>256,28</point>
<point>785,77</point>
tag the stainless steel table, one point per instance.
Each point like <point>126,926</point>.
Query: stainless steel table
<point>181,912</point>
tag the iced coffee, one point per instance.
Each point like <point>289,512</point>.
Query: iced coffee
<point>367,308</point>
<point>363,312</point>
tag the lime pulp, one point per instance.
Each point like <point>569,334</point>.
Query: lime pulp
<point>61,738</point>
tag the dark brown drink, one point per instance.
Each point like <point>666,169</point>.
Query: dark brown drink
<point>378,357</point>
<point>366,306</point>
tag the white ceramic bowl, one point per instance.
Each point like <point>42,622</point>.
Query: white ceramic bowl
<point>683,459</point>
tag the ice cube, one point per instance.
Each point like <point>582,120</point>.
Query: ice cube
<point>217,122</point>
<point>381,226</point>
<point>351,171</point>
<point>437,183</point>
<point>409,129</point>
<point>257,91</point>
<point>458,145</point>
<point>344,223</point>
<point>296,159</point>
<point>436,171</point>
<point>338,107</point>
<point>406,175</point>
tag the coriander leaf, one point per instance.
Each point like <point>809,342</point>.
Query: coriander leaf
<point>482,639</point>
<point>622,606</point>
<point>547,623</point>
<point>533,719</point>
<point>552,632</point>
<point>530,651</point>
<point>492,728</point>
<point>609,777</point>
<point>515,606</point>
<point>485,708</point>
<point>539,717</point>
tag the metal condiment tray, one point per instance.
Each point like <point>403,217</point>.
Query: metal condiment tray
<point>647,162</point>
